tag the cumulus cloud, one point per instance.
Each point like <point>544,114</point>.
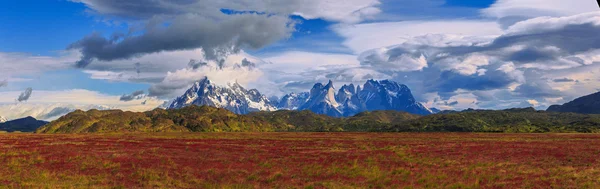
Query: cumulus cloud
<point>509,12</point>
<point>221,73</point>
<point>525,62</point>
<point>364,37</point>
<point>392,59</point>
<point>540,43</point>
<point>215,26</point>
<point>189,32</point>
<point>536,8</point>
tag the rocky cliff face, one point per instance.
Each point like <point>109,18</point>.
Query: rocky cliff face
<point>232,97</point>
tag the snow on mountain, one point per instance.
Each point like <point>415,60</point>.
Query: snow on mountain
<point>389,95</point>
<point>2,119</point>
<point>322,100</point>
<point>232,97</point>
<point>293,101</point>
<point>351,100</point>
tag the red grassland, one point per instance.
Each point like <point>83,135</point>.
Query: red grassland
<point>300,160</point>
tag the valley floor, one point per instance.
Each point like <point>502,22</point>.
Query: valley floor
<point>301,160</point>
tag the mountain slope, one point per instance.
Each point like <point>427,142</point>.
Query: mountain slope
<point>28,124</point>
<point>2,119</point>
<point>293,101</point>
<point>351,100</point>
<point>210,119</point>
<point>322,100</point>
<point>232,97</point>
<point>589,104</point>
<point>187,119</point>
<point>526,120</point>
<point>389,95</point>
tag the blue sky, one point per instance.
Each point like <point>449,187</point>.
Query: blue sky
<point>304,42</point>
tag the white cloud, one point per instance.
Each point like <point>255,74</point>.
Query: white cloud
<point>535,8</point>
<point>383,59</point>
<point>13,65</point>
<point>468,65</point>
<point>294,62</point>
<point>175,83</point>
<point>549,24</point>
<point>363,37</point>
<point>349,11</point>
<point>43,103</point>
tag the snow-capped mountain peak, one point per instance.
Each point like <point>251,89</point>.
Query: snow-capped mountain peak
<point>322,99</point>
<point>233,97</point>
<point>293,101</point>
<point>345,93</point>
<point>389,95</point>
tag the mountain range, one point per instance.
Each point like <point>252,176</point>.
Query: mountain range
<point>349,100</point>
<point>232,97</point>
<point>210,119</point>
<point>28,124</point>
<point>589,104</point>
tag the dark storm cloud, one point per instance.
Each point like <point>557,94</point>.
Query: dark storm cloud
<point>168,88</point>
<point>454,103</point>
<point>137,95</point>
<point>140,9</point>
<point>450,82</point>
<point>538,44</point>
<point>25,95</point>
<point>188,32</point>
<point>563,80</point>
<point>137,68</point>
<point>537,89</point>
<point>248,64</point>
<point>195,64</point>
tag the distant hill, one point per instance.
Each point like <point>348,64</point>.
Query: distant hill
<point>589,104</point>
<point>28,124</point>
<point>187,119</point>
<point>526,120</point>
<point>210,119</point>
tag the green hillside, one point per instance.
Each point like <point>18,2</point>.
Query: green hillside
<point>511,121</point>
<point>210,119</point>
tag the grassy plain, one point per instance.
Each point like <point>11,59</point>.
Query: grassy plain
<point>300,160</point>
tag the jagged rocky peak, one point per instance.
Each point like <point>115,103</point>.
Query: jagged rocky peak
<point>389,95</point>
<point>322,100</point>
<point>293,101</point>
<point>232,97</point>
<point>345,93</point>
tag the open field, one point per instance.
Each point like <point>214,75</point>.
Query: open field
<point>301,160</point>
